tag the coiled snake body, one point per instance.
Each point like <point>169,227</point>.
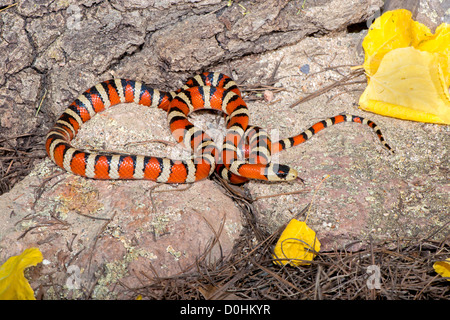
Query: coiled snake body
<point>246,150</point>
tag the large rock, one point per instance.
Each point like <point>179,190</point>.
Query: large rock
<point>114,234</point>
<point>73,46</point>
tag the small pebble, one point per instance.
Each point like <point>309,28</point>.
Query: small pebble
<point>268,95</point>
<point>305,68</point>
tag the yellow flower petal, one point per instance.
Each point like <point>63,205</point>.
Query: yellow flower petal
<point>13,284</point>
<point>297,245</point>
<point>440,43</point>
<point>443,268</point>
<point>409,84</point>
<point>395,111</point>
<point>392,30</point>
<point>408,69</point>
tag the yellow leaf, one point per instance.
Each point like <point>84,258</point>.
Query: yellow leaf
<point>13,284</point>
<point>297,245</point>
<point>443,268</point>
<point>408,69</point>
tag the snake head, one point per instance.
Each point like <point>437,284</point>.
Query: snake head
<point>281,172</point>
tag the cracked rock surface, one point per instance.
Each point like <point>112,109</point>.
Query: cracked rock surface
<point>73,46</point>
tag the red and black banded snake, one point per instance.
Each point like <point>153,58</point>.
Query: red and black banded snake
<point>246,150</point>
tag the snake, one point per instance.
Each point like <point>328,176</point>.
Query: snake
<point>245,154</point>
<point>258,147</point>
